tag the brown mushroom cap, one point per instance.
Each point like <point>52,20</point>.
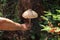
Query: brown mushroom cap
<point>29,14</point>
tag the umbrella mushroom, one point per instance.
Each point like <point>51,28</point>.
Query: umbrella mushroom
<point>29,14</point>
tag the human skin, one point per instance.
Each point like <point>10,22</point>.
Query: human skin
<point>7,24</point>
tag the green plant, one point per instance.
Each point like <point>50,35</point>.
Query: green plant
<point>51,23</point>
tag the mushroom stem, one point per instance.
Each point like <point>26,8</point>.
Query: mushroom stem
<point>30,23</point>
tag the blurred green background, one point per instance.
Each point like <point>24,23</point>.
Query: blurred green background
<point>48,10</point>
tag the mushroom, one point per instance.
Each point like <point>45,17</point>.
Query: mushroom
<point>29,14</point>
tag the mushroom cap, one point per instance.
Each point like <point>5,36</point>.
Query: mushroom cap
<point>29,14</point>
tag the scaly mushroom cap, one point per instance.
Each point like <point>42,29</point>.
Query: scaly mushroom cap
<point>29,14</point>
